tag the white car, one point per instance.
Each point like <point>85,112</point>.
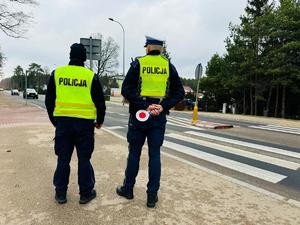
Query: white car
<point>31,93</point>
<point>14,92</point>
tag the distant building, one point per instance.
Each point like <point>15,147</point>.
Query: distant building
<point>116,92</point>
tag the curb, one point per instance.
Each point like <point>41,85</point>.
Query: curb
<point>211,125</point>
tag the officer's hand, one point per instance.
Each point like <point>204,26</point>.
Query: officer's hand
<point>150,108</point>
<point>98,126</point>
<point>155,109</point>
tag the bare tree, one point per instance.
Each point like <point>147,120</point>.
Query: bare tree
<point>109,56</point>
<point>1,62</point>
<point>13,22</point>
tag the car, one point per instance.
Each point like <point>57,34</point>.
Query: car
<point>31,93</point>
<point>14,92</point>
<point>185,104</point>
<point>1,89</point>
<point>189,104</point>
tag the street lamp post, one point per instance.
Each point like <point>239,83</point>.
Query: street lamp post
<point>26,86</point>
<point>111,19</point>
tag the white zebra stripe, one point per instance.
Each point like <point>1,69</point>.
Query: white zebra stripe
<point>231,164</point>
<point>276,129</point>
<point>247,144</point>
<point>235,151</point>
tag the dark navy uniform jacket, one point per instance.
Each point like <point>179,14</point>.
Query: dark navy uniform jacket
<point>96,93</point>
<point>131,88</point>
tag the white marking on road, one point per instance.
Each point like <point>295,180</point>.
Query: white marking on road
<point>180,118</point>
<point>228,163</point>
<point>123,114</point>
<point>185,126</point>
<point>114,127</point>
<point>288,128</point>
<point>247,144</point>
<point>186,122</point>
<point>230,179</point>
<point>235,151</point>
<point>114,133</point>
<point>276,129</point>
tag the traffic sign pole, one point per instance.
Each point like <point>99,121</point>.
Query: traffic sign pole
<point>198,74</point>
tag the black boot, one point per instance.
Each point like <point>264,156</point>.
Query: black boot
<point>124,193</point>
<point>61,198</point>
<point>151,200</point>
<point>85,198</point>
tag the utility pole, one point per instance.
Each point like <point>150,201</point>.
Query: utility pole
<point>26,87</point>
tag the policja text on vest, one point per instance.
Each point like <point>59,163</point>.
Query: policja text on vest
<point>72,82</point>
<point>154,70</point>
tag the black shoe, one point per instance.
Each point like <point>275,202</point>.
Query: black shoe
<point>61,198</point>
<point>151,200</point>
<point>124,193</point>
<point>85,198</point>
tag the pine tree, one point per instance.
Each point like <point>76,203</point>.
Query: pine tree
<point>165,53</point>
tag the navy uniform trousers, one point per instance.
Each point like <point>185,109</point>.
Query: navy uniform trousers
<point>154,130</point>
<point>70,133</point>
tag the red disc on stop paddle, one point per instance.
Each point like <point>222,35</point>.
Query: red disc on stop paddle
<point>142,115</point>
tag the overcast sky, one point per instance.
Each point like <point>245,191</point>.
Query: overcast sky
<point>193,29</point>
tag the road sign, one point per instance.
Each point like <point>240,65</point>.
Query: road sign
<point>198,72</point>
<point>93,48</point>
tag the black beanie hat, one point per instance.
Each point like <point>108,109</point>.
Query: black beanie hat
<point>78,52</point>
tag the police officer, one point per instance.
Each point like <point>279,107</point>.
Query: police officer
<point>75,105</point>
<point>152,84</point>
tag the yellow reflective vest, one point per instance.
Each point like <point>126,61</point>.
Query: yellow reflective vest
<point>154,74</point>
<point>73,92</point>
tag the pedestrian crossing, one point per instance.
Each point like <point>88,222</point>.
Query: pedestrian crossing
<point>236,151</point>
<point>276,128</point>
<point>247,144</point>
<point>273,168</point>
<point>231,164</point>
<point>264,161</point>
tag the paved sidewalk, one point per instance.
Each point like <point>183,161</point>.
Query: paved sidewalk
<point>188,195</point>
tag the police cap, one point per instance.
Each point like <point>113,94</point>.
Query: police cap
<point>153,41</point>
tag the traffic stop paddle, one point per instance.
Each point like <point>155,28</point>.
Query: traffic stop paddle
<point>142,115</point>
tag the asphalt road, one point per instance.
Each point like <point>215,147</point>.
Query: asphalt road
<point>261,155</point>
